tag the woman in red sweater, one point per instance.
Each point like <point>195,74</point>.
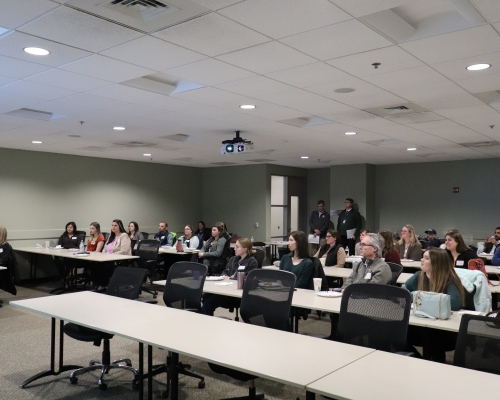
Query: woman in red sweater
<point>388,252</point>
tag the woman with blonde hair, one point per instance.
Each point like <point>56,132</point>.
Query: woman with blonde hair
<point>96,238</point>
<point>408,247</point>
<point>243,261</point>
<point>7,259</point>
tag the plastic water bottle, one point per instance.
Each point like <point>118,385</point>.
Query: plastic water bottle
<point>251,239</point>
<point>82,247</point>
<point>347,251</point>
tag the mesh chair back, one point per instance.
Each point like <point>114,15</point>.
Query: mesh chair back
<point>145,235</point>
<point>81,236</point>
<point>267,298</point>
<point>106,236</point>
<point>375,316</point>
<point>147,250</point>
<point>478,344</point>
<point>126,282</point>
<point>184,285</point>
<point>259,256</point>
<point>396,270</point>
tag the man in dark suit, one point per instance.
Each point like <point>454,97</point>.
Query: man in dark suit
<point>319,222</point>
<point>349,219</point>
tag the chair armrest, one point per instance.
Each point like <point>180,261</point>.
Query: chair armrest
<point>147,300</point>
<point>405,353</point>
<point>191,310</point>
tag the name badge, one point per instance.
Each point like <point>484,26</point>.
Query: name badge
<point>368,275</point>
<point>344,221</point>
<point>1,250</point>
<point>241,268</point>
<point>460,263</point>
<point>163,237</point>
<point>74,237</point>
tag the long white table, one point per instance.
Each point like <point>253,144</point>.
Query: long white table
<point>280,356</point>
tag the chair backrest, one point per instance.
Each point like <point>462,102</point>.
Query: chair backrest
<point>174,237</point>
<point>81,236</point>
<point>396,270</point>
<point>184,285</point>
<point>259,256</point>
<point>423,243</point>
<point>478,344</point>
<point>375,316</point>
<point>106,236</point>
<point>318,272</point>
<point>147,250</point>
<point>145,235</point>
<point>126,282</point>
<point>259,244</point>
<point>267,298</point>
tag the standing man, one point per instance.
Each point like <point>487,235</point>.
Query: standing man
<point>163,235</point>
<point>319,223</point>
<point>432,240</point>
<point>349,219</point>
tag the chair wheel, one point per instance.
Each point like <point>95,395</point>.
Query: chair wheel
<point>73,380</point>
<point>128,364</point>
<point>103,386</point>
<point>201,385</point>
<point>155,296</point>
<point>135,385</point>
<point>164,394</point>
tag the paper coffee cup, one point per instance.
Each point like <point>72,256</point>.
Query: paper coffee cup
<point>47,244</point>
<point>323,261</point>
<point>317,284</point>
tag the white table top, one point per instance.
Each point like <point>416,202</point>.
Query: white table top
<point>266,352</point>
<point>381,376</point>
<point>66,253</point>
<point>173,250</point>
<point>486,255</point>
<point>404,263</point>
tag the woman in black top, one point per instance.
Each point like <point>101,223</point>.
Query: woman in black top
<point>69,240</point>
<point>203,231</point>
<point>7,259</point>
<point>332,250</point>
<point>458,250</point>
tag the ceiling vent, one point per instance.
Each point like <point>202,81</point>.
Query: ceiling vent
<point>222,163</point>
<point>180,137</point>
<point>407,113</point>
<point>94,148</point>
<point>385,142</point>
<point>476,145</point>
<point>266,152</point>
<point>304,122</point>
<point>262,160</point>
<point>145,16</point>
<point>162,83</point>
<point>35,114</point>
<point>320,160</point>
<point>134,143</point>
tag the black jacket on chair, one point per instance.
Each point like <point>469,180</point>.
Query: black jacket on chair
<point>8,276</point>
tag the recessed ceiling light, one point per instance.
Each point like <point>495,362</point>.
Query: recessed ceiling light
<point>344,90</point>
<point>478,67</point>
<point>36,142</point>
<point>411,148</point>
<point>304,157</point>
<point>350,133</point>
<point>247,106</point>
<point>147,155</point>
<point>36,51</point>
<point>118,128</point>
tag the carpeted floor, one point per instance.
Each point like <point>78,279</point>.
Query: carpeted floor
<point>24,351</point>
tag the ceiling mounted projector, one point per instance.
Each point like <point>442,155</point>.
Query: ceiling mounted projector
<point>236,145</point>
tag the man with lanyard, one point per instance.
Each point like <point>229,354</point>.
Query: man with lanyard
<point>349,219</point>
<point>163,235</point>
<point>371,269</point>
<point>319,221</point>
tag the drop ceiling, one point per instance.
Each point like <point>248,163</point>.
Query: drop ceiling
<point>286,57</point>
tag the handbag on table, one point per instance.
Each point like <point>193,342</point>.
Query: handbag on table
<point>431,305</point>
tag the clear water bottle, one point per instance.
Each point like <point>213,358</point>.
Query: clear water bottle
<point>347,251</point>
<point>82,247</point>
<point>251,239</point>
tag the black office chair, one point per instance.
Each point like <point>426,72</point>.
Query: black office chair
<point>266,301</point>
<point>183,290</point>
<point>81,235</point>
<point>145,235</point>
<point>375,316</point>
<point>478,344</point>
<point>147,251</point>
<point>125,283</point>
<point>106,236</point>
<point>259,255</point>
<point>396,270</point>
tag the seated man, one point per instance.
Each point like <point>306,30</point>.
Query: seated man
<point>432,240</point>
<point>490,244</point>
<point>163,235</point>
<point>371,269</point>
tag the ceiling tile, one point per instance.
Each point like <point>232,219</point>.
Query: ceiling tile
<point>212,35</point>
<point>68,26</point>
<point>457,69</point>
<point>68,80</point>
<point>18,12</point>
<point>406,78</point>
<point>106,68</point>
<point>267,57</point>
<point>12,45</point>
<point>391,59</point>
<point>255,86</point>
<point>280,18</point>
<point>153,53</point>
<point>452,46</point>
<point>342,39</point>
<point>309,75</point>
<point>489,9</point>
<point>209,72</point>
<point>450,130</point>
<point>4,80</point>
<point>215,4</point>
<point>14,68</point>
<point>78,103</point>
<point>124,93</point>
<point>478,84</point>
<point>36,90</point>
<point>364,7</point>
<point>429,91</point>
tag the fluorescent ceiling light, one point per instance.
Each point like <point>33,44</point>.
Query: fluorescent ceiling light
<point>118,128</point>
<point>147,155</point>
<point>304,157</point>
<point>478,67</point>
<point>36,51</point>
<point>247,106</point>
<point>350,133</point>
<point>36,142</point>
<point>411,148</point>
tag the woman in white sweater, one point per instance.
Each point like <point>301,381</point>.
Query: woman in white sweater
<point>118,241</point>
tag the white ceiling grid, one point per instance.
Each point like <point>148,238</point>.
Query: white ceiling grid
<point>287,57</point>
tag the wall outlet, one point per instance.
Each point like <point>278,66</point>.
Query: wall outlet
<point>256,225</point>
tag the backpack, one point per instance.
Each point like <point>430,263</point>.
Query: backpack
<point>477,264</point>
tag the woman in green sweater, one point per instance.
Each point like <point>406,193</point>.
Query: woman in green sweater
<point>297,261</point>
<point>438,275</point>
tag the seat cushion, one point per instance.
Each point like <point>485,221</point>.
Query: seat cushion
<point>84,334</point>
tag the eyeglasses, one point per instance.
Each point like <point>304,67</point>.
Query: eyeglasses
<point>364,245</point>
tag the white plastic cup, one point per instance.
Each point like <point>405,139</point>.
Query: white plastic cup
<point>317,284</point>
<point>47,244</point>
<point>323,261</point>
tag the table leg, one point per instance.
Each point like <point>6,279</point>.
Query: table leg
<point>52,371</point>
<point>310,395</point>
<point>141,372</point>
<point>150,370</point>
<point>174,376</point>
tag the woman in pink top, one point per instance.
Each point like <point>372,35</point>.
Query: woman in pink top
<point>118,241</point>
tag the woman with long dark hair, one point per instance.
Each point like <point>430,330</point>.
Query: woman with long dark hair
<point>213,250</point>
<point>389,253</point>
<point>457,250</point>
<point>133,231</point>
<point>203,231</point>
<point>298,261</point>
<point>332,251</point>
<point>118,241</point>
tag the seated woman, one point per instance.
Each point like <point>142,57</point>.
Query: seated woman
<point>243,258</point>
<point>437,275</point>
<point>96,238</point>
<point>68,240</point>
<point>8,260</point>
<point>298,261</point>
<point>133,231</point>
<point>408,247</point>
<point>203,231</point>
<point>118,241</point>
<point>213,250</point>
<point>189,239</point>
<point>457,250</point>
<point>362,234</point>
<point>388,252</point>
<point>332,251</point>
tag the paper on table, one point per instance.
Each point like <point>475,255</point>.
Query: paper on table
<point>39,246</point>
<point>313,239</point>
<point>460,312</point>
<point>224,283</point>
<point>350,233</point>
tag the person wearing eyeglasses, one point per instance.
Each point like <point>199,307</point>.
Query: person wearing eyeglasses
<point>319,221</point>
<point>408,247</point>
<point>332,251</point>
<point>349,219</point>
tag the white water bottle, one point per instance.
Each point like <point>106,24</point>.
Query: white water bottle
<point>82,247</point>
<point>347,251</point>
<point>251,239</point>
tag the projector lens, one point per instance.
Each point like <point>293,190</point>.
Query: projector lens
<point>229,148</point>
